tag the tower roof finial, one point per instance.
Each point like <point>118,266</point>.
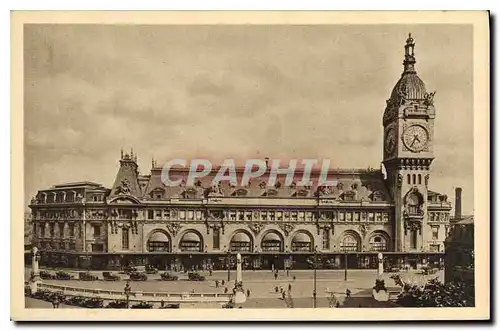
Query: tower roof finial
<point>409,61</point>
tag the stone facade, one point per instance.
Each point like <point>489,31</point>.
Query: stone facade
<point>140,220</point>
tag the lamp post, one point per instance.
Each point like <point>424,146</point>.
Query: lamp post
<point>345,264</point>
<point>315,265</point>
<point>127,291</point>
<point>228,263</point>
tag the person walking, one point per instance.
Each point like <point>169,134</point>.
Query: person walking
<point>225,290</point>
<point>289,287</point>
<point>248,293</point>
<point>216,283</point>
<point>347,293</point>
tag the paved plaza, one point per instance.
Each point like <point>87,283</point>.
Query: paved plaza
<point>261,285</point>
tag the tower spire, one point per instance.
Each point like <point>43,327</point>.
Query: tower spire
<point>409,61</point>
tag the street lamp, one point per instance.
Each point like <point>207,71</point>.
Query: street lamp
<point>127,291</point>
<point>345,263</point>
<point>315,265</point>
<point>228,263</point>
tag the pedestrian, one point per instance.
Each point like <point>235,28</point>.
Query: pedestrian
<point>275,276</point>
<point>223,282</point>
<point>337,305</point>
<point>225,290</point>
<point>276,289</point>
<point>289,287</point>
<point>347,293</point>
<point>210,272</point>
<point>162,303</point>
<point>281,289</point>
<point>287,272</point>
<point>216,283</point>
<point>294,278</point>
<point>192,291</point>
<point>283,295</point>
<point>248,293</point>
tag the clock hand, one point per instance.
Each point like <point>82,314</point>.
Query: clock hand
<point>416,137</point>
<point>413,141</point>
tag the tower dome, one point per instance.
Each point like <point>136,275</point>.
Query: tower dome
<point>409,86</point>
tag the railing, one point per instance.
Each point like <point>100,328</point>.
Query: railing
<point>151,296</point>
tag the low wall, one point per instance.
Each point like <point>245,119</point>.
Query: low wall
<point>138,295</point>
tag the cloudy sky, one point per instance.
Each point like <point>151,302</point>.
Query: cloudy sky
<point>235,91</point>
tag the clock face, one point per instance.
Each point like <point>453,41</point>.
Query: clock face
<point>390,141</point>
<point>415,138</point>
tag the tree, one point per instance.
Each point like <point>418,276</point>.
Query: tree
<point>435,294</point>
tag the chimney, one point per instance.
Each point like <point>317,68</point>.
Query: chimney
<point>458,203</point>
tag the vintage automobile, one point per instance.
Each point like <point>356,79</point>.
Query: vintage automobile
<point>138,276</point>
<point>129,269</point>
<point>46,275</point>
<point>171,306</point>
<point>142,305</point>
<point>87,276</point>
<point>168,276</point>
<point>93,303</point>
<point>194,276</point>
<point>117,304</point>
<point>108,276</point>
<point>63,275</point>
<point>151,269</point>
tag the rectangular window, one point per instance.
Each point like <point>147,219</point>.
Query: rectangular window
<point>61,230</point>
<point>166,214</point>
<point>371,217</point>
<point>190,215</point>
<point>279,216</point>
<point>72,246</point>
<point>378,217</point>
<point>302,216</point>
<point>216,238</point>
<point>348,216</point>
<point>434,248</point>
<point>263,215</point>
<point>413,239</point>
<point>51,229</point>
<point>97,230</point>
<point>97,247</point>
<point>356,217</point>
<point>326,239</point>
<point>294,215</point>
<point>150,214</point>
<point>309,216</point>
<point>182,214</point>
<point>241,215</point>
<point>158,214</point>
<point>71,230</point>
<point>42,229</point>
<point>34,230</point>
<point>232,215</point>
<point>385,217</point>
<point>341,216</point>
<point>272,216</point>
<point>125,239</point>
<point>249,215</point>
<point>435,233</point>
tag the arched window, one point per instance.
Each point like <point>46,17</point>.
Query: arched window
<point>419,179</point>
<point>241,242</point>
<point>414,179</point>
<point>409,178</point>
<point>301,242</point>
<point>349,243</point>
<point>272,243</point>
<point>191,242</point>
<point>378,243</point>
<point>413,204</point>
<point>159,242</point>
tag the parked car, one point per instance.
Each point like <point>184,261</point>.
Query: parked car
<point>46,275</point>
<point>106,275</point>
<point>93,303</point>
<point>117,304</point>
<point>87,276</point>
<point>171,306</point>
<point>63,275</point>
<point>168,276</point>
<point>138,276</point>
<point>129,269</point>
<point>195,276</point>
<point>151,269</point>
<point>142,305</point>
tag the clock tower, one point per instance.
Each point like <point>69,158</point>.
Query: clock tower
<point>408,153</point>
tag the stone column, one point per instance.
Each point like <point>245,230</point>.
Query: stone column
<point>239,295</point>
<point>380,265</point>
<point>239,275</point>
<point>35,272</point>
